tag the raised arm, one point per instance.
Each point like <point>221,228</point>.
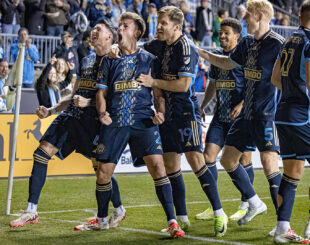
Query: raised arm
<point>220,61</point>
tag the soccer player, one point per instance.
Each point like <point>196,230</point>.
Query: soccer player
<point>125,110</point>
<point>256,54</point>
<point>74,129</point>
<point>291,75</point>
<point>228,87</point>
<point>181,132</point>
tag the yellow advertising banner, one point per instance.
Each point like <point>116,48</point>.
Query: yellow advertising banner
<point>30,131</point>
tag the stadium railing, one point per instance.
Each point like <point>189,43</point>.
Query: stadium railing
<point>45,44</point>
<point>284,31</point>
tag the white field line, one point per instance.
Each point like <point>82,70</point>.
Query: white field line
<point>91,210</point>
<point>157,233</point>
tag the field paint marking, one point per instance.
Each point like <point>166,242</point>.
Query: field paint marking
<point>186,236</point>
<point>91,210</point>
<point>157,233</point>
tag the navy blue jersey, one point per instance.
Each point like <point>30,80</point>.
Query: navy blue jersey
<point>127,102</point>
<point>178,59</point>
<point>229,89</point>
<point>257,57</point>
<point>87,87</point>
<point>294,106</point>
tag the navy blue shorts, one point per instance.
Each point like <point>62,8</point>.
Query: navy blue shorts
<point>68,134</point>
<point>181,136</point>
<point>294,141</point>
<point>245,134</point>
<point>143,140</point>
<point>217,132</point>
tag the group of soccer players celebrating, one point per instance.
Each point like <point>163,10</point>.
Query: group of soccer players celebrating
<point>112,106</point>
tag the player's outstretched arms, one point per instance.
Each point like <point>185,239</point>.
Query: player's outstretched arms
<point>179,85</point>
<point>220,61</point>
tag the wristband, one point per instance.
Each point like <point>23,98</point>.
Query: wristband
<point>53,111</point>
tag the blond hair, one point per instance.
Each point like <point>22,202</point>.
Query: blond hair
<point>261,6</point>
<point>175,14</point>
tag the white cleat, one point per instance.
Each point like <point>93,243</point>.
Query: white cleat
<point>25,218</point>
<point>289,237</point>
<point>307,231</point>
<point>252,212</point>
<point>116,219</point>
<point>273,231</point>
<point>92,225</point>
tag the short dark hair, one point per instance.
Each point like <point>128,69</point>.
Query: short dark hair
<point>233,23</point>
<point>23,29</point>
<point>221,12</point>
<point>305,11</point>
<point>137,19</point>
<point>109,26</point>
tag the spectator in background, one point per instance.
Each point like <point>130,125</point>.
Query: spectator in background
<point>31,56</point>
<point>4,71</point>
<point>66,51</point>
<point>85,48</point>
<point>201,81</point>
<point>203,26</point>
<point>140,9</point>
<point>97,10</point>
<point>34,16</point>
<point>285,21</point>
<point>187,24</point>
<point>241,11</point>
<point>11,14</point>
<point>221,15</point>
<point>118,9</point>
<point>161,3</point>
<point>277,18</point>
<point>48,85</point>
<point>2,53</point>
<point>57,16</point>
<point>74,6</point>
<point>152,21</point>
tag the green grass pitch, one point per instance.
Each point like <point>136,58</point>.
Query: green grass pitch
<point>74,199</point>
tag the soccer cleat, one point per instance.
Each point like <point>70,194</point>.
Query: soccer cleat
<point>92,225</point>
<point>307,231</point>
<point>25,218</point>
<point>184,225</point>
<point>252,212</point>
<point>273,231</point>
<point>238,215</point>
<point>205,215</point>
<point>175,230</point>
<point>220,225</point>
<point>116,219</point>
<point>290,237</point>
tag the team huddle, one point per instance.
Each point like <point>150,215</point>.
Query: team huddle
<point>261,84</point>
